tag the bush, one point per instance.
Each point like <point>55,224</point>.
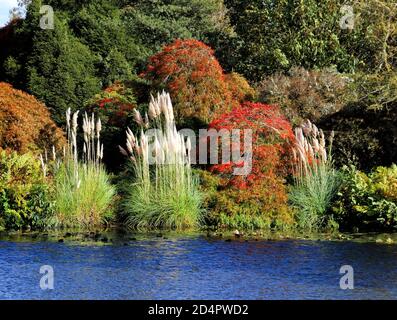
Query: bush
<point>239,87</point>
<point>249,209</point>
<point>385,182</point>
<point>25,196</point>
<point>189,71</point>
<point>261,194</point>
<point>316,180</point>
<point>261,206</point>
<point>305,94</point>
<point>164,193</point>
<point>25,123</point>
<point>367,202</point>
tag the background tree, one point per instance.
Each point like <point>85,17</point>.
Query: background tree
<point>154,23</point>
<point>365,129</point>
<point>95,43</point>
<point>277,35</point>
<point>189,71</point>
<point>61,70</point>
<point>51,64</point>
<point>100,26</point>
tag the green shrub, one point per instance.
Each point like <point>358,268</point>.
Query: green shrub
<point>244,222</point>
<point>252,208</point>
<point>367,202</point>
<point>262,206</point>
<point>25,196</point>
<point>385,182</point>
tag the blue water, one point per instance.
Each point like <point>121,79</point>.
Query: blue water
<point>198,268</point>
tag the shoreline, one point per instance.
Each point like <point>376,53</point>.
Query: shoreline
<point>116,236</point>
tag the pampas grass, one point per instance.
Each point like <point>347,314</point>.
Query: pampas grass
<point>85,203</point>
<point>83,192</point>
<point>315,179</point>
<point>164,193</point>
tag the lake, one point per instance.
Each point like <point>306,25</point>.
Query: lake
<point>197,267</point>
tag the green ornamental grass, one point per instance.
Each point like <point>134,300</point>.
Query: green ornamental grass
<point>83,192</point>
<point>164,192</point>
<point>316,180</point>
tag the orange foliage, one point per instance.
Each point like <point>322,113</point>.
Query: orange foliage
<point>25,123</point>
<point>189,71</point>
<point>239,87</point>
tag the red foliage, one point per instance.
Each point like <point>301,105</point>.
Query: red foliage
<point>272,138</point>
<point>25,123</point>
<point>262,192</point>
<point>114,104</point>
<point>189,71</point>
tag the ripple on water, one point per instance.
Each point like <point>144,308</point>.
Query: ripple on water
<point>198,268</point>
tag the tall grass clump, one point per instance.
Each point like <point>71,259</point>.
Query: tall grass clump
<point>316,182</point>
<point>83,192</point>
<point>164,192</point>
